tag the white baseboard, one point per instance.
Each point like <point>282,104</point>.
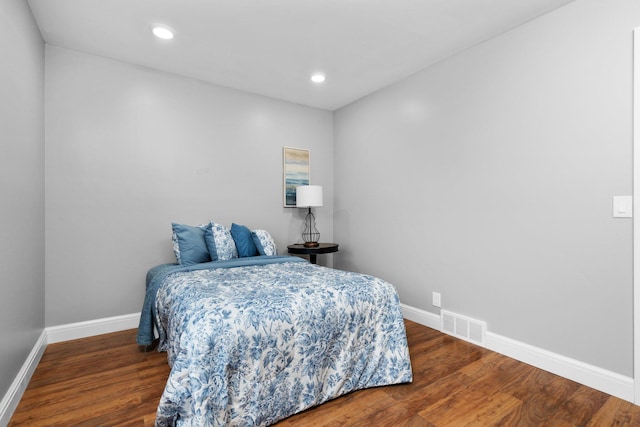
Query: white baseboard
<point>52,335</point>
<point>74,331</point>
<point>592,376</point>
<point>11,399</point>
<point>421,316</point>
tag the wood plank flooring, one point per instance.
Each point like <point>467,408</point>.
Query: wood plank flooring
<point>107,381</point>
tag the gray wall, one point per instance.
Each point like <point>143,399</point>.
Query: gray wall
<point>489,178</point>
<point>21,187</point>
<point>129,150</point>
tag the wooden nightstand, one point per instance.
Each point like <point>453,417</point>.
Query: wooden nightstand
<point>322,248</point>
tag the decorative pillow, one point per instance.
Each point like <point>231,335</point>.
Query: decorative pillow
<point>243,240</point>
<point>189,245</point>
<point>210,242</point>
<point>225,246</point>
<point>264,242</point>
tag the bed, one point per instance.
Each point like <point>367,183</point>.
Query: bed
<point>252,340</point>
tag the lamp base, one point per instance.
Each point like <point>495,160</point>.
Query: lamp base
<point>311,244</point>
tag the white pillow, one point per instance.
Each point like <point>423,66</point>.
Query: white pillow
<point>225,246</point>
<point>264,242</point>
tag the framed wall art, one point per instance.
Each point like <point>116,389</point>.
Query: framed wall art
<point>296,168</point>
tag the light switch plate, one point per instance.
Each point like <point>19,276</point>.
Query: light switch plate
<point>622,206</point>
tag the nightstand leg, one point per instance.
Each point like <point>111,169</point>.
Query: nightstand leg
<point>313,258</point>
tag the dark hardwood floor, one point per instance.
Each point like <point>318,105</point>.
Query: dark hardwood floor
<point>107,381</point>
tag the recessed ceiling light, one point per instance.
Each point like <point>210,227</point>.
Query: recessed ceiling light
<point>318,77</point>
<point>162,32</point>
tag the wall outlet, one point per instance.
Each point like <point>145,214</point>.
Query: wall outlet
<point>436,301</point>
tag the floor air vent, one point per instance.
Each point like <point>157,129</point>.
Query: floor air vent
<point>463,327</point>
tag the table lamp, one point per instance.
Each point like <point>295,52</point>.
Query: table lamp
<point>309,196</point>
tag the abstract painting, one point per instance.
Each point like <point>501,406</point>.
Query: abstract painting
<point>296,171</point>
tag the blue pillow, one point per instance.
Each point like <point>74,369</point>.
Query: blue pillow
<point>189,244</point>
<point>244,241</point>
<point>210,241</point>
<point>258,243</point>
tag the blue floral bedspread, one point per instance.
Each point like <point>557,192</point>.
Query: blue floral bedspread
<point>156,275</point>
<point>251,345</point>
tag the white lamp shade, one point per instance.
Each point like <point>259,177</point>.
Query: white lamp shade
<point>308,196</point>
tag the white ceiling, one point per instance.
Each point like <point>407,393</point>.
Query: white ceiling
<point>271,47</point>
